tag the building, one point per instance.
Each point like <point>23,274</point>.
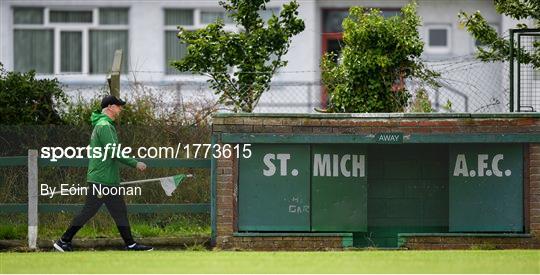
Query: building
<point>75,40</point>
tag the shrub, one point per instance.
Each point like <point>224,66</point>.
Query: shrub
<point>24,99</point>
<point>144,108</point>
<point>140,110</point>
<point>378,56</point>
<point>421,103</point>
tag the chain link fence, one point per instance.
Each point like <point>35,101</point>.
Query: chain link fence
<point>467,85</point>
<point>471,86</point>
<point>527,78</point>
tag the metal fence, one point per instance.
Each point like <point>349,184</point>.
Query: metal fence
<point>525,78</point>
<point>282,97</point>
<point>467,85</point>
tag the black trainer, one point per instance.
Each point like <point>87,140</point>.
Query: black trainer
<point>139,247</point>
<point>63,246</point>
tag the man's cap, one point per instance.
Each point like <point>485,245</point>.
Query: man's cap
<point>111,100</point>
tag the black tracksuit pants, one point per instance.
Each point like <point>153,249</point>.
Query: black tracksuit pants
<point>116,207</point>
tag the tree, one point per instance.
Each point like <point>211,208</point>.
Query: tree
<point>378,56</point>
<point>253,54</point>
<point>496,48</point>
<point>27,100</point>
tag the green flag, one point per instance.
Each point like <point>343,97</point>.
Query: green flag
<point>169,184</point>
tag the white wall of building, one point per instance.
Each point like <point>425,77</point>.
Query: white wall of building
<point>146,28</point>
<point>147,47</point>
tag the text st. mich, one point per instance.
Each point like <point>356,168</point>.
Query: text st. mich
<point>324,165</point>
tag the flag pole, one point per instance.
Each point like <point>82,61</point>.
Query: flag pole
<point>140,181</point>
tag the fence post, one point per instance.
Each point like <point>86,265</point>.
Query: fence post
<point>179,98</point>
<point>32,198</point>
<point>511,70</point>
<point>213,193</point>
<point>114,77</point>
<point>309,97</point>
<point>518,72</point>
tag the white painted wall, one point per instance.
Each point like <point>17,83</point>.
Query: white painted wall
<point>147,28</point>
<point>446,13</point>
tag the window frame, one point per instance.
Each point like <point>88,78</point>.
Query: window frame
<point>169,28</point>
<point>438,49</point>
<point>85,28</point>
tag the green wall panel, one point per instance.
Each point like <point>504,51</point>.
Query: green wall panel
<point>339,188</point>
<point>274,191</point>
<point>407,192</point>
<point>486,188</point>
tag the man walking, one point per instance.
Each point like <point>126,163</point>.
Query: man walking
<point>104,171</point>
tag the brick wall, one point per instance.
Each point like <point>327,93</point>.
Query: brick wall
<point>227,184</point>
<point>470,242</point>
<point>225,201</point>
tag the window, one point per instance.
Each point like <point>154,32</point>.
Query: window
<point>208,17</point>
<point>70,16</point>
<point>32,47</point>
<point>178,17</point>
<point>28,15</point>
<point>333,18</point>
<point>103,44</point>
<point>190,20</point>
<point>332,37</point>
<point>69,41</point>
<point>113,16</point>
<point>33,50</point>
<point>438,39</point>
<point>71,51</point>
<point>174,50</point>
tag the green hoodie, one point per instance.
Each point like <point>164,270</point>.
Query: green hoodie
<point>105,171</point>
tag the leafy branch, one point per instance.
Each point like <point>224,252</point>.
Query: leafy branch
<point>240,65</point>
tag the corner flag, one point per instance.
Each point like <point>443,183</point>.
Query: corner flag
<point>169,184</point>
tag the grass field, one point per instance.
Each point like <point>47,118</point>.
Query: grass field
<point>471,261</point>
